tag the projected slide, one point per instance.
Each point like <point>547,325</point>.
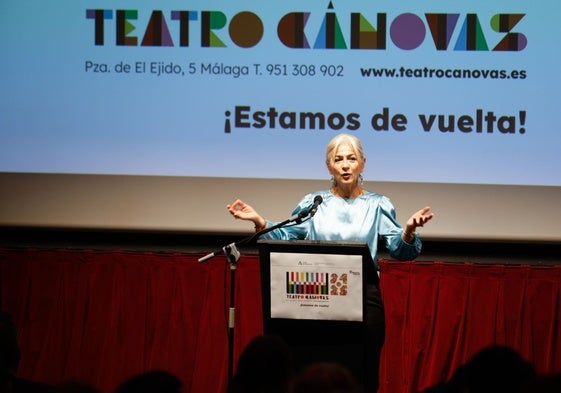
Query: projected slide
<point>438,91</point>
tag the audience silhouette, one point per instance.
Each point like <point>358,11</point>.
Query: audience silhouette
<point>156,381</point>
<point>325,377</point>
<point>264,366</point>
<point>493,369</point>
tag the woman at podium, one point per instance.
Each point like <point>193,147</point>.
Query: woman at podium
<point>348,212</point>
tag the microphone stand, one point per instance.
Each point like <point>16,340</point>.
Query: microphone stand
<point>233,255</point>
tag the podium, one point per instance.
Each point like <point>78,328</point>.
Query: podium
<point>314,297</point>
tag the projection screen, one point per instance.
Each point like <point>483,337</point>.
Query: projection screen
<point>153,115</point>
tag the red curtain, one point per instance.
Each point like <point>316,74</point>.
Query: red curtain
<point>440,314</point>
<point>103,316</point>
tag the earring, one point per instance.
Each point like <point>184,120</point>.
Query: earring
<point>360,179</point>
<point>333,184</point>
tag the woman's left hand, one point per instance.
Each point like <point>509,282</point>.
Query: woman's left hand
<point>419,219</point>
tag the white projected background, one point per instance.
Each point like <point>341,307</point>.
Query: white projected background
<point>155,115</point>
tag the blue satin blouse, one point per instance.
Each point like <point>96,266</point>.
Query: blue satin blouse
<point>364,219</point>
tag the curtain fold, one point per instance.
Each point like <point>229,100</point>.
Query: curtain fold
<point>104,316</point>
<point>440,314</point>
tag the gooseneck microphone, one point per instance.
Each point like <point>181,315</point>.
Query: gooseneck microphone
<point>317,201</point>
<point>233,253</point>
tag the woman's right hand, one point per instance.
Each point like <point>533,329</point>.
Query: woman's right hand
<point>241,210</point>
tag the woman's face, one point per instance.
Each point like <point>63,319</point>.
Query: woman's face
<point>345,166</point>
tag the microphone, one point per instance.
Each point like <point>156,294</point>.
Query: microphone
<point>317,201</point>
<point>309,212</point>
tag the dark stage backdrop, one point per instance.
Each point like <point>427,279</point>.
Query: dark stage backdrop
<point>103,316</point>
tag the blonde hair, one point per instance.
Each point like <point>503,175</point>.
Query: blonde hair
<point>340,139</point>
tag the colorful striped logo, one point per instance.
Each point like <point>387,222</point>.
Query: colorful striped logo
<point>306,283</point>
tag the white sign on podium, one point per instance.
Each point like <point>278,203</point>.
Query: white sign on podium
<point>316,286</point>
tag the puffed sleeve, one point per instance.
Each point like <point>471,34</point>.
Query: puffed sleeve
<point>390,231</point>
